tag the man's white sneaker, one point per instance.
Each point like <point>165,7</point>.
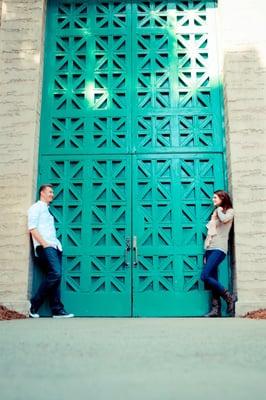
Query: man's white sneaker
<point>33,314</point>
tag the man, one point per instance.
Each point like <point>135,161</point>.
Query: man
<point>48,249</point>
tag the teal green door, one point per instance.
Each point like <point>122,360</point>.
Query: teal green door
<point>172,202</point>
<point>132,140</point>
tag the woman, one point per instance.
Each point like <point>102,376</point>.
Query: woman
<point>216,246</point>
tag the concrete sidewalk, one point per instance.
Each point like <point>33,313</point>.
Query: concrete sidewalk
<point>151,359</point>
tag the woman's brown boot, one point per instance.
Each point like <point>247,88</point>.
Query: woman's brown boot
<point>216,308</point>
<point>230,300</point>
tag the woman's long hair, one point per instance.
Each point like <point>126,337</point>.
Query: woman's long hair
<point>226,200</point>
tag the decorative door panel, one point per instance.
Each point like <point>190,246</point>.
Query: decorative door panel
<point>87,77</point>
<point>172,205</point>
<point>92,210</point>
<point>132,139</point>
<point>175,76</point>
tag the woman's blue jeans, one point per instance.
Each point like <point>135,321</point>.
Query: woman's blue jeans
<point>50,260</point>
<point>209,274</point>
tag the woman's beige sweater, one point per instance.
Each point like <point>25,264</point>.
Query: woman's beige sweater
<point>218,230</point>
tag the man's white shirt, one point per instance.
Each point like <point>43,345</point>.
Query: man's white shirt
<point>41,219</point>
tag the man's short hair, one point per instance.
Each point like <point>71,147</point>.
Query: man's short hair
<point>42,187</point>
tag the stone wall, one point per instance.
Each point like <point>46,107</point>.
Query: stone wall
<point>243,56</point>
<point>243,59</point>
<point>21,43</point>
<point>1,4</point>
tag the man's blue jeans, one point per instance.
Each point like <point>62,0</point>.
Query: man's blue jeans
<point>50,260</point>
<point>209,274</point>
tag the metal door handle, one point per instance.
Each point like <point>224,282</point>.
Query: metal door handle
<point>135,250</point>
<point>127,251</point>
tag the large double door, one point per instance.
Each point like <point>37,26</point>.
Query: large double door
<point>132,140</point>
